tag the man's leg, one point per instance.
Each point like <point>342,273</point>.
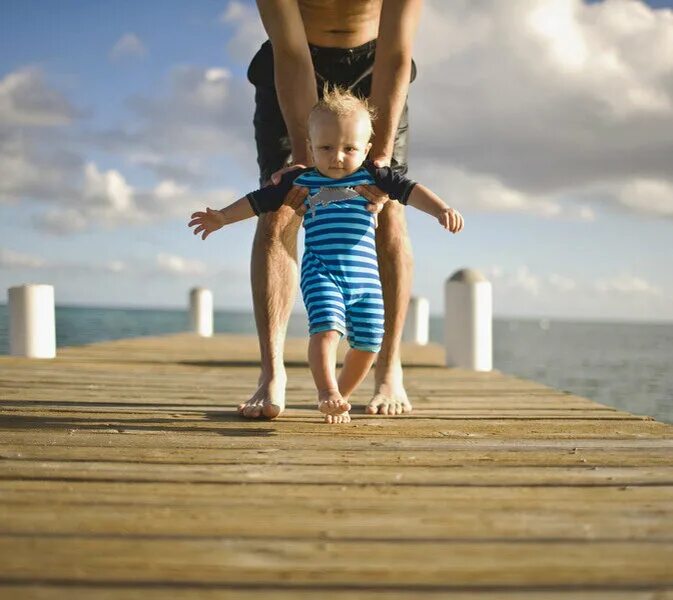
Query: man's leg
<point>273,275</point>
<point>396,270</point>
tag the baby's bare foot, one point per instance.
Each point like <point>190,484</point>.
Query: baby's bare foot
<point>342,418</point>
<point>331,403</point>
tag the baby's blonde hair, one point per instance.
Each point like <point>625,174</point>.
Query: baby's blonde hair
<point>341,102</point>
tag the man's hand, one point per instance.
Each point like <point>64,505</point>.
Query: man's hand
<point>207,222</point>
<point>295,197</point>
<point>276,177</point>
<point>376,197</point>
<point>451,219</point>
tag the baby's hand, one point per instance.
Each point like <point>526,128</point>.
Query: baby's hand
<point>208,221</point>
<point>451,219</point>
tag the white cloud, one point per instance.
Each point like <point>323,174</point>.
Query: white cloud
<point>247,29</point>
<point>521,292</point>
<point>216,74</point>
<point>107,190</point>
<point>481,192</point>
<point>35,165</point>
<point>522,279</point>
<point>561,283</point>
<point>115,266</point>
<point>10,259</point>
<point>493,272</point>
<point>20,260</point>
<point>27,100</point>
<point>203,113</point>
<point>584,41</point>
<point>556,23</point>
<point>171,200</point>
<point>187,169</point>
<point>36,160</point>
<point>627,284</point>
<point>650,196</point>
<point>41,162</point>
<point>167,189</point>
<point>534,101</point>
<point>485,193</point>
<point>169,263</point>
<point>235,11</point>
<point>102,198</point>
<point>128,45</point>
<point>525,280</point>
<point>586,213</point>
<point>61,221</point>
<point>105,199</point>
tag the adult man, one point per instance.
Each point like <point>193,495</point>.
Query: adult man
<point>364,45</point>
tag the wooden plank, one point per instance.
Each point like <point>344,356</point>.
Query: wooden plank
<point>212,494</point>
<point>254,591</point>
<point>256,434</point>
<point>435,458</point>
<point>420,564</point>
<point>340,474</point>
<point>438,521</point>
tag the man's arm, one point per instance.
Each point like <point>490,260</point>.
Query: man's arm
<point>293,68</point>
<point>392,70</point>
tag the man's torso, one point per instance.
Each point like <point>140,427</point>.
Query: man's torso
<point>340,23</point>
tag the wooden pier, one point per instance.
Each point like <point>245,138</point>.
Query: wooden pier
<point>125,472</point>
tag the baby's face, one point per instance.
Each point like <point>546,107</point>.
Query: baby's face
<point>339,144</point>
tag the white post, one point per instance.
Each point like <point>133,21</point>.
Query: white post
<point>201,311</point>
<point>468,316</point>
<point>32,322</point>
<point>418,321</point>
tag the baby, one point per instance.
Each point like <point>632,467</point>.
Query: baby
<point>339,274</point>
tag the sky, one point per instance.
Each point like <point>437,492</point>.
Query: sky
<point>547,123</point>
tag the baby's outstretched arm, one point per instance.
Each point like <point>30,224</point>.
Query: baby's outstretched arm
<point>426,200</point>
<point>212,220</point>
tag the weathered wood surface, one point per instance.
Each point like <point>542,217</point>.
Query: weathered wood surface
<point>126,473</point>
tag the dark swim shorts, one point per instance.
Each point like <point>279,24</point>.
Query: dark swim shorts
<point>347,67</point>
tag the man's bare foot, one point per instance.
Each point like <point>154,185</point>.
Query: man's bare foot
<point>332,404</point>
<point>267,402</point>
<point>342,418</point>
<point>390,397</point>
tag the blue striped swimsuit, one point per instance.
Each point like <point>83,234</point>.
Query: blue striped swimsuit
<point>339,274</point>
